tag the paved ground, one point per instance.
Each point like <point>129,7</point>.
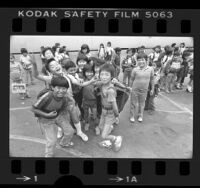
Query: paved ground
<point>166,134</point>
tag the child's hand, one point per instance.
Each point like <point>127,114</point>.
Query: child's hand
<point>117,120</point>
<point>52,114</point>
<point>151,92</point>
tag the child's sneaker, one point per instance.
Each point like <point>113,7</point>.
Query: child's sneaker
<point>140,119</point>
<point>106,144</point>
<point>97,131</point>
<point>83,136</point>
<point>132,119</point>
<point>118,143</point>
<point>69,144</point>
<point>87,125</point>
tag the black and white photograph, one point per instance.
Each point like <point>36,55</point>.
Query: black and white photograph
<point>101,97</point>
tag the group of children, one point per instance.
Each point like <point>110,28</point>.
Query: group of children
<point>87,92</point>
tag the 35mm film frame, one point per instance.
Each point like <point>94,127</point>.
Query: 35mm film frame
<point>100,171</point>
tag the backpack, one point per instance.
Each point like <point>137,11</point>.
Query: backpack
<point>122,96</point>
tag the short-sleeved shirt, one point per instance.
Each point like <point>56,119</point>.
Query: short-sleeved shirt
<point>26,61</point>
<point>48,103</point>
<point>88,92</point>
<point>142,78</point>
<point>108,96</point>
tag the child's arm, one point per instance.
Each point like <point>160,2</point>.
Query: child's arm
<point>77,82</point>
<point>39,76</point>
<point>43,114</point>
<point>152,82</point>
<point>133,74</point>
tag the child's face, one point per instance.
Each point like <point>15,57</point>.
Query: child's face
<point>72,71</point>
<point>157,50</point>
<point>130,53</point>
<point>25,54</point>
<point>108,44</point>
<point>59,92</point>
<point>118,53</point>
<point>81,64</point>
<point>105,76</point>
<point>48,54</point>
<point>57,49</point>
<point>89,74</point>
<point>84,50</point>
<point>12,59</point>
<point>141,63</point>
<point>55,68</point>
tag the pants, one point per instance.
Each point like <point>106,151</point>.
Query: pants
<point>106,121</point>
<point>28,73</point>
<point>117,72</point>
<point>89,105</point>
<point>181,74</point>
<point>78,97</point>
<point>162,81</point>
<point>149,103</point>
<point>50,129</point>
<point>137,98</point>
<point>127,75</point>
<point>170,81</point>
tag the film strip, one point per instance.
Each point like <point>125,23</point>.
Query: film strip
<point>105,170</point>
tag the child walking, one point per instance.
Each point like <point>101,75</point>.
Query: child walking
<point>101,52</point>
<point>25,60</point>
<point>127,65</point>
<point>140,79</point>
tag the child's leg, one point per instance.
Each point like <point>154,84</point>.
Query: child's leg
<point>167,83</point>
<point>50,131</point>
<point>141,101</point>
<point>26,76</point>
<point>67,130</point>
<point>31,75</point>
<point>133,103</point>
<point>86,112</point>
<point>125,77</point>
<point>129,78</point>
<point>147,101</point>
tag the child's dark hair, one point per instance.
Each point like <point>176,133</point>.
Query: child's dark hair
<point>108,68</point>
<point>101,45</point>
<point>88,68</point>
<point>68,64</point>
<point>117,49</point>
<point>186,53</point>
<point>62,50</point>
<point>109,43</point>
<point>142,56</point>
<point>85,46</point>
<point>46,49</point>
<point>47,64</point>
<point>83,58</point>
<point>173,45</point>
<point>59,81</point>
<point>24,50</point>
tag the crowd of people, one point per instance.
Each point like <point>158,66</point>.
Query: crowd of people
<point>88,92</point>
